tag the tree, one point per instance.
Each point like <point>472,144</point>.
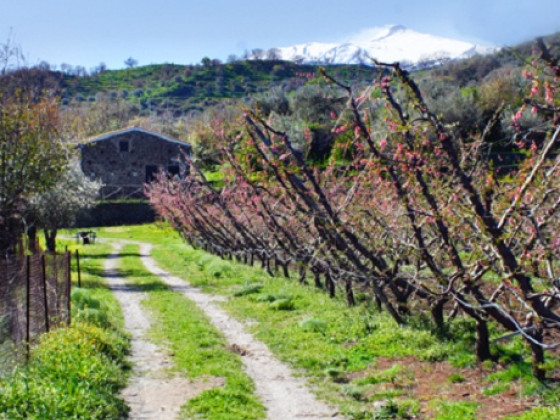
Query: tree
<point>206,61</point>
<point>273,54</point>
<point>32,158</point>
<point>58,206</point>
<point>100,68</point>
<point>130,62</point>
<point>410,210</point>
<point>258,53</point>
<point>11,56</point>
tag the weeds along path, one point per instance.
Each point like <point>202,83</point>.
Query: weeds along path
<point>152,394</point>
<point>285,396</point>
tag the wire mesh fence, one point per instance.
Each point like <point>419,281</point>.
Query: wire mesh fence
<point>34,298</point>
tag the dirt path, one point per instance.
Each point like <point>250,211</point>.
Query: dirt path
<point>285,396</point>
<point>152,393</point>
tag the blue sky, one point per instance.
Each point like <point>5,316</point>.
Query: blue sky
<point>87,32</point>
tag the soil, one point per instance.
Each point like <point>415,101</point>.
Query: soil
<point>429,382</point>
<point>154,394</point>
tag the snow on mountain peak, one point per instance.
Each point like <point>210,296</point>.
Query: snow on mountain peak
<point>388,43</point>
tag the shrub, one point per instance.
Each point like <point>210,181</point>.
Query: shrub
<point>73,373</point>
<point>283,305</point>
<point>249,289</point>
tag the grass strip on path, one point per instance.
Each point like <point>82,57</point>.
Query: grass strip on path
<point>198,349</point>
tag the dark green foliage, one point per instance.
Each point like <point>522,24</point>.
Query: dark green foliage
<point>283,305</point>
<point>114,213</point>
<point>249,289</point>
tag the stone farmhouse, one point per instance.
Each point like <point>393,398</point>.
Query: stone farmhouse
<point>125,160</point>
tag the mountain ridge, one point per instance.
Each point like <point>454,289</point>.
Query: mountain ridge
<point>388,43</point>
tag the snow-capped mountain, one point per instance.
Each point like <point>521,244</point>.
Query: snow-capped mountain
<point>387,44</point>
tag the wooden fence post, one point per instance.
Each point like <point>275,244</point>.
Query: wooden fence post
<point>45,292</point>
<point>28,305</point>
<point>78,268</point>
<point>69,280</point>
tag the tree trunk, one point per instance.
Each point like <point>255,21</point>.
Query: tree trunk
<point>32,239</point>
<point>330,284</point>
<point>384,300</point>
<point>437,314</point>
<point>285,269</point>
<point>276,265</point>
<point>267,267</point>
<point>377,302</point>
<point>349,293</point>
<point>302,272</point>
<point>482,345</point>
<point>50,239</point>
<point>538,355</point>
<point>317,278</point>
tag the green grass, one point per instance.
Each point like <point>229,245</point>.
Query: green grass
<point>539,413</point>
<point>454,410</point>
<point>327,341</point>
<point>74,372</point>
<point>319,336</point>
<point>198,349</point>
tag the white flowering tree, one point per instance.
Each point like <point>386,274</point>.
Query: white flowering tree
<point>57,207</point>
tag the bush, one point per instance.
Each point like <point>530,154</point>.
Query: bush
<point>218,269</point>
<point>116,213</point>
<point>73,373</point>
<point>249,289</point>
<point>283,305</point>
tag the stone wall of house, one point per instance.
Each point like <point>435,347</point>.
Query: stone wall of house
<point>126,161</point>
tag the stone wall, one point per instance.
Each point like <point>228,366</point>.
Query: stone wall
<point>125,161</point>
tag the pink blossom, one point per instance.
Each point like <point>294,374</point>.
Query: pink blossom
<point>383,143</point>
<point>549,93</point>
<point>517,116</point>
<point>533,147</point>
<point>527,74</point>
<point>535,88</point>
<point>340,129</point>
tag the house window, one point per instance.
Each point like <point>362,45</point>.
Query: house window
<point>123,146</point>
<point>173,170</point>
<point>151,172</point>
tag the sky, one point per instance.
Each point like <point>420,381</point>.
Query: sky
<point>88,32</point>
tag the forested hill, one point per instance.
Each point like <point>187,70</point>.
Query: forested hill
<point>181,88</point>
<point>178,87</point>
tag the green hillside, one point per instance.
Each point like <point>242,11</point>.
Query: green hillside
<point>179,88</point>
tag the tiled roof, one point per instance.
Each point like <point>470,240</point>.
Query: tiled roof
<point>111,134</point>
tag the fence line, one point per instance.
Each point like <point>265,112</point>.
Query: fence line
<point>34,296</point>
